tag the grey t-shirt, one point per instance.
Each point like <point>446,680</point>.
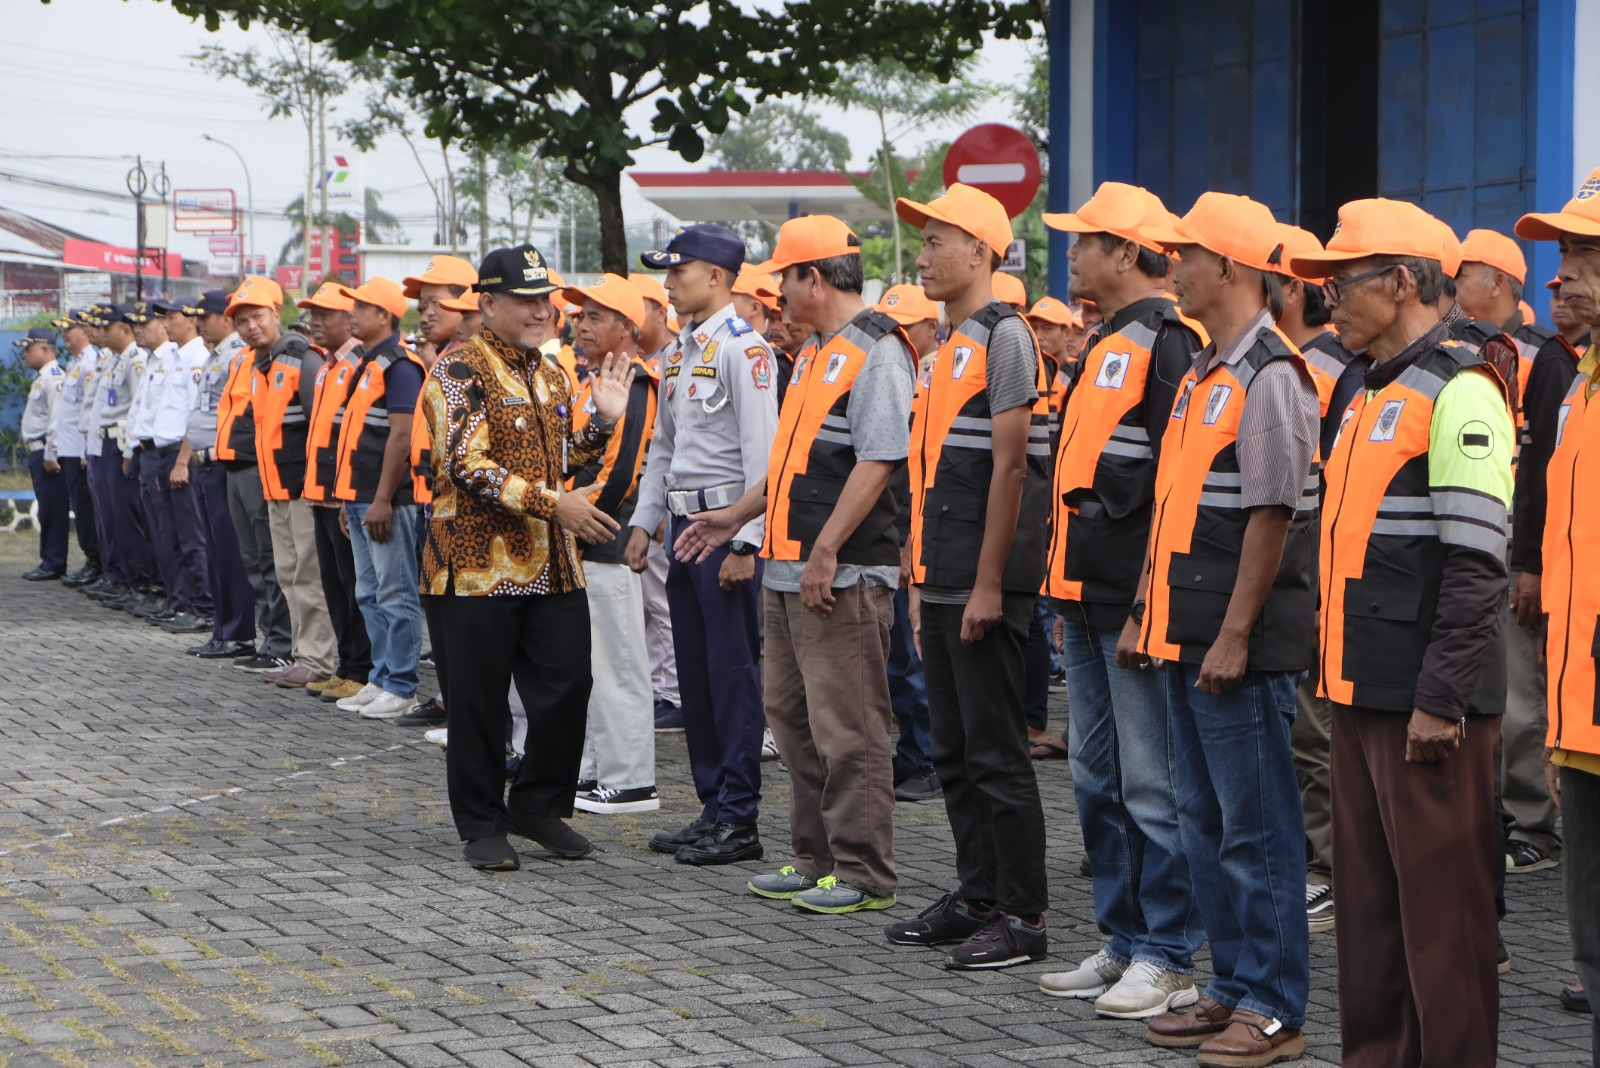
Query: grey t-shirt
<point>1013,381</point>
<point>879,413</point>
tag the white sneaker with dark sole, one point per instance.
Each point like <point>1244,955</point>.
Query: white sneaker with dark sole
<point>1147,989</point>
<point>1090,979</point>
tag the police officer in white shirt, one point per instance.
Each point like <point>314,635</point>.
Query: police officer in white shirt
<point>38,434</point>
<point>71,442</point>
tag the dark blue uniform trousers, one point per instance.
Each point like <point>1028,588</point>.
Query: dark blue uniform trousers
<point>716,635</point>
<point>123,534</point>
<point>230,599</point>
<point>156,499</point>
<point>83,516</point>
<point>190,539</point>
<point>50,491</point>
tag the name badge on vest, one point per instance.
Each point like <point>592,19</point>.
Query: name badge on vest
<point>1388,421</point>
<point>1113,370</point>
<point>277,380</point>
<point>963,357</point>
<point>512,401</point>
<point>1181,408</point>
<point>837,361</point>
<point>1217,401</point>
<point>799,369</point>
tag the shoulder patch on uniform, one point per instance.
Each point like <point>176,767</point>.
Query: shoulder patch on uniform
<point>737,324</point>
<point>1113,370</point>
<point>754,352</point>
<point>1476,440</point>
<point>710,352</point>
<point>1180,408</point>
<point>761,372</point>
<point>836,364</point>
<point>1217,401</point>
<point>1387,422</point>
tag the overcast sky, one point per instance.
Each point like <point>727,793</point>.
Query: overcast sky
<point>85,80</point>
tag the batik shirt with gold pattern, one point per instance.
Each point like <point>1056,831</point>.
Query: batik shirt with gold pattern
<point>500,421</point>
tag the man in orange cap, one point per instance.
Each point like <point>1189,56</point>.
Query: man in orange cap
<point>1571,594</point>
<point>618,773</point>
<point>380,511</point>
<point>447,278</point>
<point>918,316</point>
<point>1117,729</point>
<point>280,401</point>
<point>755,296</point>
<point>469,319</point>
<point>1009,289</point>
<point>330,308</point>
<point>979,466</point>
<point>1413,581</point>
<point>833,564</point>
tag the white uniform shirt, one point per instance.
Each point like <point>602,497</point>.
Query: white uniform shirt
<point>175,395</point>
<point>69,409</point>
<point>38,414</point>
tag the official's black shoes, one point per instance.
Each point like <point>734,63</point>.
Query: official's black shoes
<point>491,854</point>
<point>950,919</point>
<point>725,843</point>
<point>552,833</point>
<point>670,842</point>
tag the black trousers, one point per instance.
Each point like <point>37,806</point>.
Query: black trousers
<point>82,508</point>
<point>336,562</point>
<point>980,750</point>
<point>433,615</point>
<point>51,491</point>
<point>543,643</point>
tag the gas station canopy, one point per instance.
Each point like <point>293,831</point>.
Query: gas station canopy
<point>764,196</point>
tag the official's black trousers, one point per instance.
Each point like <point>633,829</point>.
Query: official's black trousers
<point>336,561</point>
<point>543,643</point>
<point>980,750</point>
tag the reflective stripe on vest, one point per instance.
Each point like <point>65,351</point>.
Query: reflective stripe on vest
<point>236,423</point>
<point>1382,557</point>
<point>282,424</point>
<point>365,433</point>
<point>1571,584</point>
<point>1199,524</point>
<point>322,440</point>
<point>951,466</point>
<point>813,454</point>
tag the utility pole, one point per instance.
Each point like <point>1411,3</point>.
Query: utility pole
<point>138,182</point>
<point>483,204</point>
<point>163,188</point>
<point>322,135</point>
<point>311,170</point>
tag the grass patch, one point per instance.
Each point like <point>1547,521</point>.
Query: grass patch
<point>208,951</point>
<point>84,1031</point>
<point>390,987</point>
<point>810,1021</point>
<point>175,1008</point>
<point>167,1039</point>
<point>679,1011</point>
<point>160,893</point>
<point>698,973</point>
<point>322,1053</point>
<point>464,995</point>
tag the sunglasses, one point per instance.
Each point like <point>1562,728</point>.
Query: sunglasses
<point>1334,290</point>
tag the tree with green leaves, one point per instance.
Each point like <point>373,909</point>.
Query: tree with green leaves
<point>903,101</point>
<point>560,78</point>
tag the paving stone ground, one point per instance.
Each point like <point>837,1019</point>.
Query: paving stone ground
<point>197,868</point>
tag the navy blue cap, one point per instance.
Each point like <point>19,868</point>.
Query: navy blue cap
<point>213,300</point>
<point>37,334</point>
<point>702,241</point>
<point>165,307</point>
<point>520,269</point>
<point>122,313</point>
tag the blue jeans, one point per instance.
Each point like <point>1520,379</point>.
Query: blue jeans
<point>1121,747</point>
<point>908,693</point>
<point>1244,834</point>
<point>387,593</point>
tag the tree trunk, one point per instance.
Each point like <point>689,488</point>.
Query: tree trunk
<point>483,204</point>
<point>322,177</point>
<point>607,189</point>
<point>305,232</point>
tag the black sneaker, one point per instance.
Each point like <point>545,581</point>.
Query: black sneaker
<point>42,574</point>
<point>950,919</point>
<point>491,854</point>
<point>87,575</point>
<point>1573,998</point>
<point>259,664</point>
<point>609,802</point>
<point>1523,857</point>
<point>552,833</point>
<point>1058,682</point>
<point>670,842</point>
<point>1001,942</point>
<point>100,589</point>
<point>669,717</point>
<point>184,623</point>
<point>921,785</point>
<point>427,714</point>
<point>156,619</point>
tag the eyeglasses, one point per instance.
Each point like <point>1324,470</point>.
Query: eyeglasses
<point>1334,290</point>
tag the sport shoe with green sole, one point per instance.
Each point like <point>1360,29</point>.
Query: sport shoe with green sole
<point>833,897</point>
<point>780,887</point>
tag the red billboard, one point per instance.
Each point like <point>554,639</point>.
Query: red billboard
<point>98,257</point>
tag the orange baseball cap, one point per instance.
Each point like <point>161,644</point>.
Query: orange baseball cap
<point>1376,227</point>
<point>906,304</point>
<point>466,302</point>
<point>1580,217</point>
<point>650,288</point>
<point>1497,250</point>
<point>1527,312</point>
<point>1297,242</point>
<point>1118,209</point>
<point>256,291</point>
<point>329,295</point>
<point>1051,310</point>
<point>1229,225</point>
<point>809,238</point>
<point>442,271</point>
<point>382,292</point>
<point>965,208</point>
<point>1009,289</point>
<point>612,291</point>
<point>758,284</point>
<point>1449,247</point>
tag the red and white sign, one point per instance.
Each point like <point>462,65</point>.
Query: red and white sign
<point>94,255</point>
<point>226,245</point>
<point>998,159</point>
<point>287,276</point>
<point>204,211</point>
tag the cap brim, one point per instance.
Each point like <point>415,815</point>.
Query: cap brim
<point>236,306</point>
<point>904,318</point>
<point>1069,223</point>
<point>659,261</point>
<point>1035,317</point>
<point>535,291</point>
<point>916,214</point>
<point>769,267</point>
<point>1166,236</point>
<point>1554,225</point>
<point>1321,264</point>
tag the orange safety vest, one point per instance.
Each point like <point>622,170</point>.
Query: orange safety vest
<point>812,455</point>
<point>422,442</point>
<point>322,442</point>
<point>236,424</point>
<point>365,433</point>
<point>1199,526</point>
<point>630,438</point>
<point>951,465</point>
<point>1570,584</point>
<point>568,359</point>
<point>1381,559</point>
<point>282,424</point>
<point>1105,473</point>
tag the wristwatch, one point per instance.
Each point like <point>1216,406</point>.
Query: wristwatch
<point>1136,613</point>
<point>742,548</point>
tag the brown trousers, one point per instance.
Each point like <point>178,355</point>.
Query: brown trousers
<point>827,698</point>
<point>1412,848</point>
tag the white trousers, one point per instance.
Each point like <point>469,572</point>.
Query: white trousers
<point>619,747</point>
<point>658,627</point>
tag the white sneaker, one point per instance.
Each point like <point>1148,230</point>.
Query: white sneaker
<point>360,699</point>
<point>387,706</point>
<point>1089,980</point>
<point>769,748</point>
<point>1147,989</point>
<point>439,736</point>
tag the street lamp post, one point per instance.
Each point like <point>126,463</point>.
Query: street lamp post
<point>249,193</point>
